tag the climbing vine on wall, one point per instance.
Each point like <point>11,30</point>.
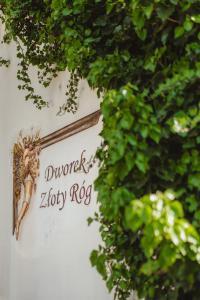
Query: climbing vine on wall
<point>144,58</point>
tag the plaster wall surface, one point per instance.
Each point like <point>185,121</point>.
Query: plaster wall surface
<point>51,260</point>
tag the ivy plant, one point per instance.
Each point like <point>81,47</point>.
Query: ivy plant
<point>143,57</point>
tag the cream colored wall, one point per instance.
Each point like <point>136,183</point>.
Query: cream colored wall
<point>24,276</point>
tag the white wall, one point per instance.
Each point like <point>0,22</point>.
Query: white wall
<point>50,261</point>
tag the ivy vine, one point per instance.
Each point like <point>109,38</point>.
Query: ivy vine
<point>144,56</point>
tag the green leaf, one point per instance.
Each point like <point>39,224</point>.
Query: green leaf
<point>167,256</point>
<point>179,31</point>
<point>188,25</point>
<point>127,120</point>
<point>149,267</point>
<point>133,215</point>
<point>164,12</point>
<point>66,12</point>
<point>141,162</point>
<point>90,220</point>
<point>196,18</point>
<point>194,181</point>
<point>148,10</point>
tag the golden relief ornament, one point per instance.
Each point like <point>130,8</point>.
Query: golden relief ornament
<point>26,166</point>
